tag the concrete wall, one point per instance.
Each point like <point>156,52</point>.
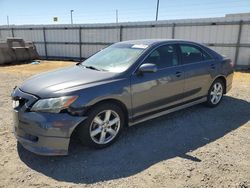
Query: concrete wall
<point>229,35</point>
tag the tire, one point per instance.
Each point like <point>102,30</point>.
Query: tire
<point>215,93</point>
<point>99,131</point>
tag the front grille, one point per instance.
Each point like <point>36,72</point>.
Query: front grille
<point>25,99</point>
<point>22,102</point>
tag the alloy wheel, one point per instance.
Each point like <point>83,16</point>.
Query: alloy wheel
<point>216,93</point>
<point>105,126</point>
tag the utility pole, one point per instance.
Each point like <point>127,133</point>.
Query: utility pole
<point>116,12</point>
<point>8,23</point>
<point>157,8</point>
<point>71,16</point>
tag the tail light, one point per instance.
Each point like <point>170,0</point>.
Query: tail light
<point>231,63</point>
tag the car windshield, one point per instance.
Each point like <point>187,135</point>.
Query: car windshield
<point>115,58</point>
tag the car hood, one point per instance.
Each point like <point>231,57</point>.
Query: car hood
<point>46,84</point>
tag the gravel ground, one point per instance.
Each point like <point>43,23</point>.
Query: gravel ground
<point>195,147</point>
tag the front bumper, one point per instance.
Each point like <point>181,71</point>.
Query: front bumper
<point>43,133</point>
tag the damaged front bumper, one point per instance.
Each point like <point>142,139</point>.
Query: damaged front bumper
<point>40,132</point>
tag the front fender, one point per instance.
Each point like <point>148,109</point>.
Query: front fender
<point>118,90</point>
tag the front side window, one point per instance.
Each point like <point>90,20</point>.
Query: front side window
<point>116,58</point>
<point>163,56</point>
<point>192,54</point>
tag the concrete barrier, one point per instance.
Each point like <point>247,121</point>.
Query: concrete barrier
<point>16,50</point>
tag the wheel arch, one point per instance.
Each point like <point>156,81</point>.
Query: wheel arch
<point>118,103</point>
<point>223,79</point>
<point>108,100</point>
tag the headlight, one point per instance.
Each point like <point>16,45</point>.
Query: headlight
<point>53,105</point>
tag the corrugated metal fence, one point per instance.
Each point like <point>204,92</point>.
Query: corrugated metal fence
<point>231,38</point>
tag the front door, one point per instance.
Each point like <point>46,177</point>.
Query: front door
<point>153,92</point>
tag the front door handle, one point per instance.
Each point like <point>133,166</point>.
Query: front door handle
<point>178,74</point>
<point>212,66</point>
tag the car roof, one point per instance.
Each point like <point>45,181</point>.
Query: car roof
<point>154,41</point>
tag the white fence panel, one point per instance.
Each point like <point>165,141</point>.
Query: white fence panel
<point>208,34</point>
<point>146,33</point>
<point>226,51</point>
<point>29,35</point>
<point>40,49</point>
<point>244,56</point>
<point>88,50</point>
<point>245,35</point>
<point>62,35</point>
<point>100,35</point>
<point>63,50</point>
<point>5,34</point>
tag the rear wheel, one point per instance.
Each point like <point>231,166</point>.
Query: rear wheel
<point>215,93</point>
<point>103,126</point>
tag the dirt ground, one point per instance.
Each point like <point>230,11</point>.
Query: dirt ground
<point>195,147</point>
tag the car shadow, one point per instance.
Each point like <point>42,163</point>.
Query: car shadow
<point>141,146</point>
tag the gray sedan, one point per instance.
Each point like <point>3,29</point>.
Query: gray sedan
<point>124,84</point>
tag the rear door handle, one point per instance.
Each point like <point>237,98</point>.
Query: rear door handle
<point>178,74</point>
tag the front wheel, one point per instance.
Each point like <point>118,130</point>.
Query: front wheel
<point>215,93</point>
<point>103,126</point>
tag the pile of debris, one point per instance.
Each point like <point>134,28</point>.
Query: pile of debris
<point>15,50</point>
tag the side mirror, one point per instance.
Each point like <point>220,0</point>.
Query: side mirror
<point>147,68</point>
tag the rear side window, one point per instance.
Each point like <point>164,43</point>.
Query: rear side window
<point>192,54</point>
<point>163,56</point>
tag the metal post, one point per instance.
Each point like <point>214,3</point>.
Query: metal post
<point>238,44</point>
<point>80,43</point>
<point>71,16</point>
<point>8,22</point>
<point>116,12</point>
<point>45,43</point>
<point>121,27</point>
<point>157,8</point>
<point>173,31</point>
<point>12,32</point>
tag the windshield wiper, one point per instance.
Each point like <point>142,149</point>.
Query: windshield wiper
<point>90,67</point>
<point>93,68</point>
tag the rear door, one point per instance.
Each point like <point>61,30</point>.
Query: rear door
<point>198,66</point>
<point>152,92</point>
